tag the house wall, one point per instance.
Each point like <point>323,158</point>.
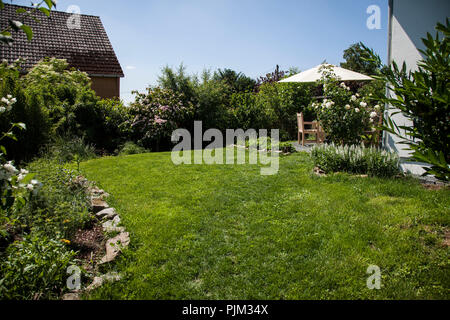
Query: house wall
<point>409,22</point>
<point>106,87</point>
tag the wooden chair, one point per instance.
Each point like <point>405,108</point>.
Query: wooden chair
<point>302,131</point>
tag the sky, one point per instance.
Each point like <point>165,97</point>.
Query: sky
<point>249,36</point>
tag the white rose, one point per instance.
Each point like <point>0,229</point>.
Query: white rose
<point>348,107</point>
<point>357,110</point>
<point>4,100</point>
<point>373,115</point>
<point>353,98</point>
<point>377,107</point>
<point>363,104</point>
<point>2,109</point>
<point>30,187</point>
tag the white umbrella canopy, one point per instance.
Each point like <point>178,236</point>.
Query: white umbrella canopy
<point>315,74</point>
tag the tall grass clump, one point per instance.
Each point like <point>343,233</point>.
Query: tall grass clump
<point>356,159</point>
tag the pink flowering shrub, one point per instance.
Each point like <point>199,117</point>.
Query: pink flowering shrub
<point>155,115</point>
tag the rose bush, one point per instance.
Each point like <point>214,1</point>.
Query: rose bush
<point>345,116</point>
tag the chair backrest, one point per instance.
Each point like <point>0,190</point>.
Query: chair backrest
<point>300,121</point>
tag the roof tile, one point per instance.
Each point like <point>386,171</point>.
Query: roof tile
<point>87,49</point>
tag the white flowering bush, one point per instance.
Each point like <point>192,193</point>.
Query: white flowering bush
<point>345,116</point>
<point>15,185</point>
<point>356,159</point>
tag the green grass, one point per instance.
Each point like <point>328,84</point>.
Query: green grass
<point>226,232</point>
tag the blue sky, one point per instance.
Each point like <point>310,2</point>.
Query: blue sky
<point>250,36</point>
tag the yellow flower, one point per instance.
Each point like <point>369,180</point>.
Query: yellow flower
<point>65,241</point>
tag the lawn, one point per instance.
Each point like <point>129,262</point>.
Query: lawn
<point>226,232</point>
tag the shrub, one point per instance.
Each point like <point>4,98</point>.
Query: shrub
<point>356,159</point>
<point>262,143</point>
<point>344,116</point>
<point>423,97</point>
<point>178,82</point>
<point>66,95</point>
<point>60,207</point>
<point>110,131</point>
<point>282,102</point>
<point>287,147</point>
<point>67,149</point>
<point>34,268</point>
<point>213,104</point>
<point>130,148</point>
<point>28,109</point>
<point>247,114</point>
<point>237,81</point>
<point>155,115</point>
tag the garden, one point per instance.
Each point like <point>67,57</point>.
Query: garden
<point>221,231</point>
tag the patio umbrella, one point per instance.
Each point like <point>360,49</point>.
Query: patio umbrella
<point>314,74</point>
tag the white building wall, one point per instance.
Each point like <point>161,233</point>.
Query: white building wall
<point>409,22</point>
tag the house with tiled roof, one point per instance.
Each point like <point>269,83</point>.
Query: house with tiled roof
<point>85,46</point>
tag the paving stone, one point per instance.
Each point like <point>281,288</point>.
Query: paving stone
<point>99,205</point>
<point>99,281</point>
<point>113,225</point>
<point>108,213</point>
<point>71,297</point>
<point>114,246</point>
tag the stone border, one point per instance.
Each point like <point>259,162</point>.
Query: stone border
<point>110,220</point>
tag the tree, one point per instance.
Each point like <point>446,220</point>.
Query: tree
<point>18,25</point>
<point>237,81</point>
<point>273,77</point>
<point>359,58</point>
<point>178,81</point>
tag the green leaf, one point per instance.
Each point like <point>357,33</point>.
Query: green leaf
<point>27,31</point>
<point>49,3</point>
<point>20,125</point>
<point>45,11</point>
<point>28,178</point>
